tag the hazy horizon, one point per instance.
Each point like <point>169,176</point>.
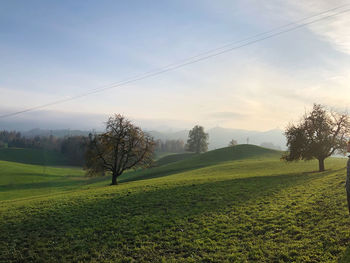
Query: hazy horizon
<point>86,122</point>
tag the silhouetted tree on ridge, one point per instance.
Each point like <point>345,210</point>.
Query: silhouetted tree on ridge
<point>318,135</point>
<point>197,140</point>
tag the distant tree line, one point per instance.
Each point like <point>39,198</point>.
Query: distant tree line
<point>171,146</point>
<point>13,139</point>
<point>81,150</point>
<point>73,148</point>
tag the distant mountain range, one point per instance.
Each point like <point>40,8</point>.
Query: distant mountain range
<point>57,133</point>
<point>218,137</point>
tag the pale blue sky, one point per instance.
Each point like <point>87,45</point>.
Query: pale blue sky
<point>52,50</point>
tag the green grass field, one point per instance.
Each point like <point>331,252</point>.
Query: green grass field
<point>239,204</point>
<point>171,158</point>
<point>19,180</point>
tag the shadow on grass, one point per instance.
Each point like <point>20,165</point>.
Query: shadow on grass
<point>39,185</point>
<point>197,161</point>
<point>74,229</point>
<point>33,156</point>
<point>54,181</point>
<point>157,172</point>
<point>172,158</point>
<point>346,257</point>
<point>175,168</point>
<point>39,175</point>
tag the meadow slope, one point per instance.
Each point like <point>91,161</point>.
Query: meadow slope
<point>246,207</point>
<point>18,180</point>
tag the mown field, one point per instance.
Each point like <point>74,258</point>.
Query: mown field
<point>239,204</point>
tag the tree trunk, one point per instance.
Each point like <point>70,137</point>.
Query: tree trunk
<point>321,165</point>
<point>114,179</point>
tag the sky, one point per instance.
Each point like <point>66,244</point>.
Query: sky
<point>52,50</point>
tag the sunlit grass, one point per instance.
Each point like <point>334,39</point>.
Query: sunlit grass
<point>258,209</point>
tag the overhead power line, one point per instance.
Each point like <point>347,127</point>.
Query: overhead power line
<point>201,56</point>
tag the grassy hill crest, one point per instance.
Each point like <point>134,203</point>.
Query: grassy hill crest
<point>253,208</point>
<point>185,162</point>
<point>238,152</point>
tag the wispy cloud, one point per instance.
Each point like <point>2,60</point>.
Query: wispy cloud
<point>335,30</point>
<point>258,87</point>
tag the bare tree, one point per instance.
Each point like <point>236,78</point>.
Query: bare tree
<point>320,134</point>
<point>121,147</point>
<point>232,143</point>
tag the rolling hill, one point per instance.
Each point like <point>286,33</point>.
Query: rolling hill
<point>239,204</point>
<point>18,180</point>
<point>172,158</point>
<point>184,162</point>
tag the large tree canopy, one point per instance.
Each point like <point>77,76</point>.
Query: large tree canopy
<point>197,140</point>
<point>122,146</point>
<point>320,134</point>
